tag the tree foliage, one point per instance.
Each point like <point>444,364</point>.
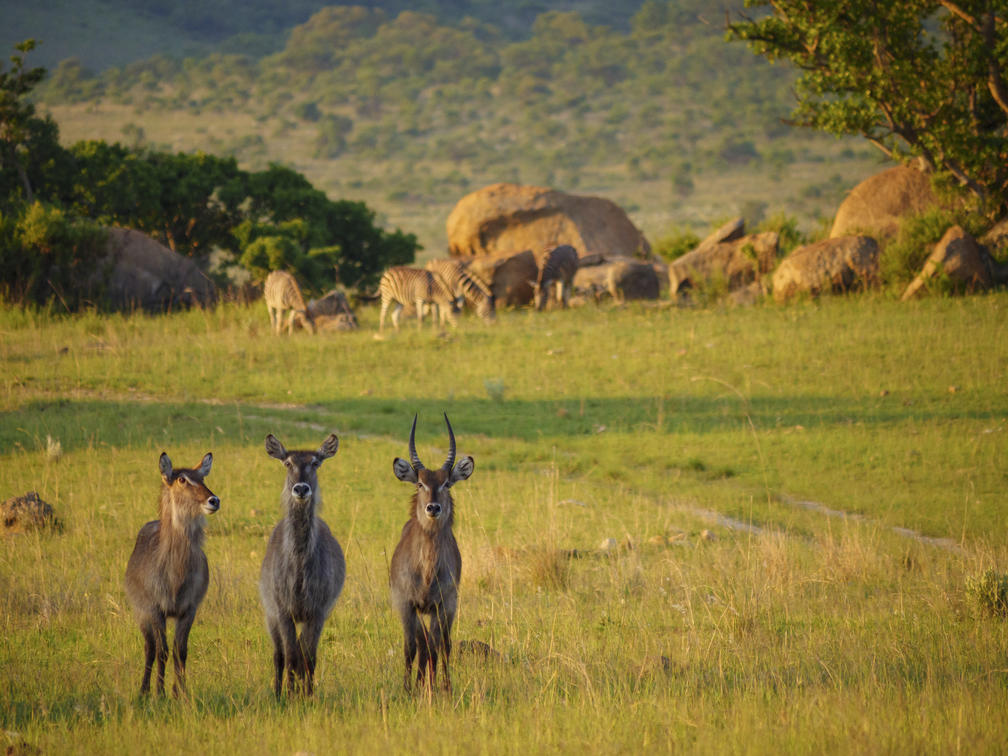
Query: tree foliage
<point>921,78</point>
<point>54,202</point>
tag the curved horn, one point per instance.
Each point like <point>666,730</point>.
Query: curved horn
<point>414,459</point>
<point>451,445</point>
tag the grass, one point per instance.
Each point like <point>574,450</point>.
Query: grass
<point>713,530</point>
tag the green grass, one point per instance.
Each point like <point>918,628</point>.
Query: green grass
<point>799,499</point>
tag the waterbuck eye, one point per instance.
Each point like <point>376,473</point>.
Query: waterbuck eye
<point>183,480</point>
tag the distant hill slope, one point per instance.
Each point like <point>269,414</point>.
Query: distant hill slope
<point>103,34</point>
<point>409,112</point>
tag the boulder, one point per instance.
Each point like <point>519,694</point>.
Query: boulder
<point>876,206</point>
<point>146,274</point>
<point>730,231</point>
<point>28,512</point>
<point>622,278</point>
<point>737,263</point>
<point>830,265</point>
<point>333,303</point>
<point>958,258</point>
<point>510,276</point>
<point>343,321</point>
<point>502,218</point>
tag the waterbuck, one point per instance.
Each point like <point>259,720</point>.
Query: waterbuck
<point>167,573</point>
<point>303,570</point>
<point>426,565</point>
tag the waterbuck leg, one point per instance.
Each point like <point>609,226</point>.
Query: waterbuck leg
<point>150,650</point>
<point>441,639</point>
<point>292,657</point>
<point>409,623</point>
<point>161,650</point>
<point>180,651</point>
<point>426,657</point>
<point>278,659</point>
<point>310,634</point>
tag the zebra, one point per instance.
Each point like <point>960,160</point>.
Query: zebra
<point>416,286</point>
<point>556,266</point>
<point>465,286</point>
<point>282,293</point>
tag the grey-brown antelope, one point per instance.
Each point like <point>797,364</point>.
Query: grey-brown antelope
<point>167,573</point>
<point>557,267</point>
<point>303,570</point>
<point>426,565</point>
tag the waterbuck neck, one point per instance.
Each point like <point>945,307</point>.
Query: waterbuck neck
<point>180,536</point>
<point>300,523</point>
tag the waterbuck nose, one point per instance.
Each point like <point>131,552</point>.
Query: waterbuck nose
<point>212,504</point>
<point>433,509</point>
<point>302,490</point>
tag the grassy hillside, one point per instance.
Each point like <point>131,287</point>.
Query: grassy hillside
<point>714,530</point>
<point>409,113</point>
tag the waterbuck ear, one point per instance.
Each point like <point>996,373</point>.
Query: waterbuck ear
<point>404,470</point>
<point>165,466</point>
<point>463,469</point>
<point>204,468</point>
<point>328,448</point>
<point>274,448</point>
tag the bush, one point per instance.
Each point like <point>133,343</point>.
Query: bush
<point>786,227</point>
<point>675,244</point>
<point>988,592</point>
<point>50,255</point>
<point>903,257</point>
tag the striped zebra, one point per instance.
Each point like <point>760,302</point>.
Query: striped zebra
<point>556,266</point>
<point>465,286</point>
<point>282,293</point>
<point>418,287</point>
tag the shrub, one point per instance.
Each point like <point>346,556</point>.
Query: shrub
<point>50,254</point>
<point>675,244</point>
<point>903,257</point>
<point>786,227</point>
<point>988,592</point>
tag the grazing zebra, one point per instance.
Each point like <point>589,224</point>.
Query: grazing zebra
<point>465,286</point>
<point>282,293</point>
<point>557,266</point>
<point>416,286</point>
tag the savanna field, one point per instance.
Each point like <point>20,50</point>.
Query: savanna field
<point>709,530</point>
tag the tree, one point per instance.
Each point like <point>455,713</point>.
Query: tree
<point>917,78</point>
<point>18,122</point>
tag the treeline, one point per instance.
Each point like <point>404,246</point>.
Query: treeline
<point>663,95</point>
<point>54,202</point>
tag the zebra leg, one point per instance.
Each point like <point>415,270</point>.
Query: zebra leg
<point>381,318</point>
<point>419,314</point>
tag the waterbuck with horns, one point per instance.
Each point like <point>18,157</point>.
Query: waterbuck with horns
<point>167,573</point>
<point>426,565</point>
<point>303,570</point>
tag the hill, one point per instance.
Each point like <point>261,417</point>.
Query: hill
<point>408,113</point>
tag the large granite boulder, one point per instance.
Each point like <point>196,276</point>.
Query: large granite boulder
<point>734,264</point>
<point>876,206</point>
<point>959,259</point>
<point>503,218</point>
<point>830,265</point>
<point>142,273</point>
